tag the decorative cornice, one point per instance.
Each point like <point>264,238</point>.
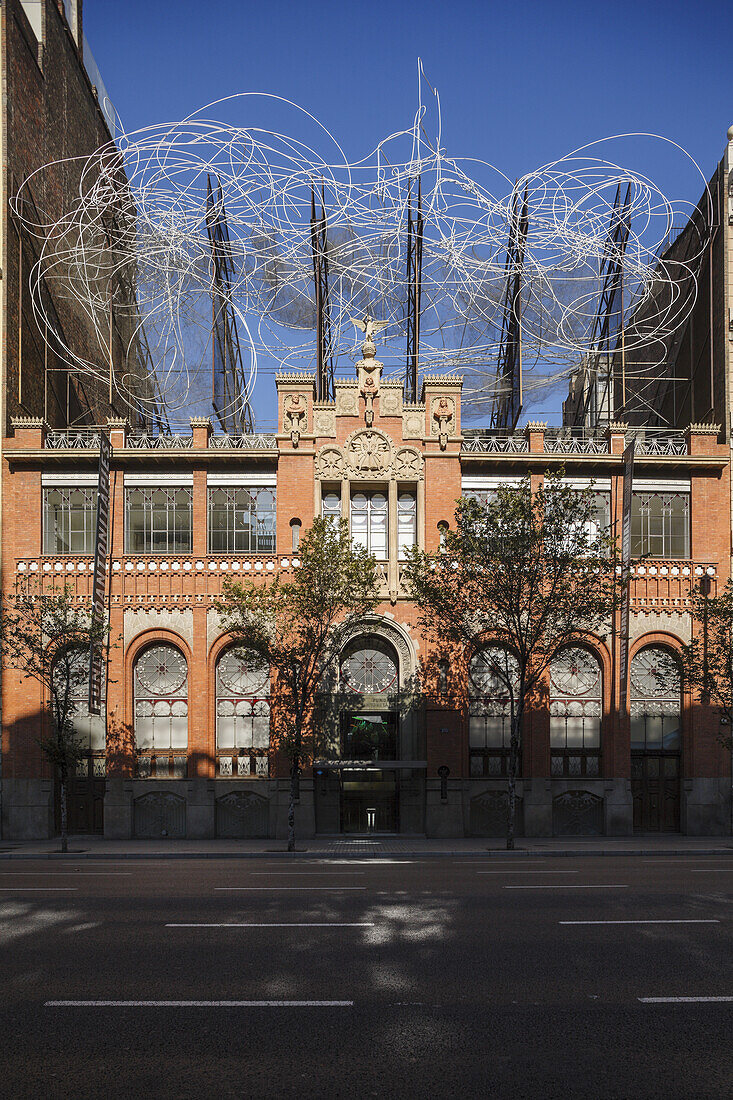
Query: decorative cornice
<point>535,426</point>
<point>118,422</point>
<point>27,422</point>
<point>704,429</point>
<point>295,379</point>
<point>442,380</point>
<point>617,427</point>
<point>200,422</point>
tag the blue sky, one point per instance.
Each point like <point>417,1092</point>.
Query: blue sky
<point>519,84</point>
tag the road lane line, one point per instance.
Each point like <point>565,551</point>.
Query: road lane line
<point>707,870</point>
<point>304,874</point>
<point>289,924</point>
<point>572,886</point>
<point>523,872</point>
<point>67,874</point>
<point>686,921</point>
<point>198,1004</point>
<point>239,888</point>
<point>684,1000</point>
<point>38,889</point>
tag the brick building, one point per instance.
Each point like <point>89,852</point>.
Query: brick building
<point>186,750</point>
<point>183,748</point>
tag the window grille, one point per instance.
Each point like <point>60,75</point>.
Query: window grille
<point>575,714</point>
<point>491,671</point>
<point>242,715</point>
<point>241,519</point>
<point>158,521</point>
<point>369,523</point>
<point>69,520</point>
<point>660,525</point>
<point>161,709</point>
<point>655,701</point>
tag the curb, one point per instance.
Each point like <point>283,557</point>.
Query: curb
<point>321,854</point>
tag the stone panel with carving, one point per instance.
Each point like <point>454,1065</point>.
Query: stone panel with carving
<point>369,453</point>
<point>390,400</point>
<point>408,464</point>
<point>324,422</point>
<point>347,401</point>
<point>413,423</point>
<point>330,464</point>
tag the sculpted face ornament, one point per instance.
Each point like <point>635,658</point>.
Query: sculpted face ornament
<point>443,413</point>
<point>296,411</point>
<point>369,369</point>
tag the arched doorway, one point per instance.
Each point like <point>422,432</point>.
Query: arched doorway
<point>361,795</point>
<point>656,740</point>
<point>161,712</point>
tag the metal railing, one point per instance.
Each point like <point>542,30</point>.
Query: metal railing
<point>575,441</point>
<point>494,442</point>
<point>657,441</point>
<point>260,441</point>
<point>144,441</point>
<point>79,439</point>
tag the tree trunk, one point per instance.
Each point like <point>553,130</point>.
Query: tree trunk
<point>64,830</point>
<point>512,779</point>
<point>294,770</point>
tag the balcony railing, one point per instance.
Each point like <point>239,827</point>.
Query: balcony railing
<point>259,441</point>
<point>495,442</point>
<point>657,441</point>
<point>145,441</point>
<point>575,441</point>
<point>82,439</point>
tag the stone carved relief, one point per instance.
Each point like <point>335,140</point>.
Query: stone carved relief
<point>390,402</point>
<point>369,453</point>
<point>413,424</point>
<point>443,421</point>
<point>347,401</point>
<point>408,464</point>
<point>324,422</point>
<point>330,464</point>
<point>295,417</point>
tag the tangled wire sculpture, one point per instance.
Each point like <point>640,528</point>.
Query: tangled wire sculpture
<point>134,245</point>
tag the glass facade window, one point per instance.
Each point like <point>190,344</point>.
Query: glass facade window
<point>660,525</point>
<point>69,520</point>
<point>242,716</point>
<point>241,519</point>
<point>406,523</point>
<point>89,729</point>
<point>331,506</point>
<point>161,707</point>
<point>490,710</point>
<point>655,701</point>
<point>369,522</point>
<point>575,713</point>
<point>158,521</point>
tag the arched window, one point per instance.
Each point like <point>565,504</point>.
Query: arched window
<point>656,687</point>
<point>575,713</point>
<point>369,666</point>
<point>89,729</point>
<point>369,674</point>
<point>242,716</point>
<point>490,672</point>
<point>161,711</point>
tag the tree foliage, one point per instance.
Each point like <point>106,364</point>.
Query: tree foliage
<point>42,633</point>
<point>296,628</point>
<point>708,659</point>
<point>527,572</point>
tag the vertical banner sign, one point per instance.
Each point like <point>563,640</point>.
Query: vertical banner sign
<point>626,574</point>
<point>98,585</point>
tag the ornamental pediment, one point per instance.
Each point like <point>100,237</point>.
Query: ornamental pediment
<point>366,455</point>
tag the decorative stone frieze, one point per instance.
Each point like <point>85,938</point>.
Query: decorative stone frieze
<point>347,399</point>
<point>413,421</point>
<point>324,420</point>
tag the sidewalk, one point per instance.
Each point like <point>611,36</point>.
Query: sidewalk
<point>339,847</point>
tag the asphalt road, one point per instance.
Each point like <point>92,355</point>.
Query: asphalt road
<point>530,978</point>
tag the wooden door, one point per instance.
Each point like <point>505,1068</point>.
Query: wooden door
<point>655,789</point>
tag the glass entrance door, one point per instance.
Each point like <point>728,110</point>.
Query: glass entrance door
<point>369,801</point>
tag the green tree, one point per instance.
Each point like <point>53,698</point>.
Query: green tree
<point>42,635</point>
<point>296,628</point>
<point>526,572</point>
<point>708,659</point>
